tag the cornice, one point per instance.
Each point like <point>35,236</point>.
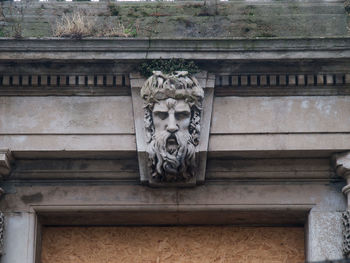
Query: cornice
<point>199,48</point>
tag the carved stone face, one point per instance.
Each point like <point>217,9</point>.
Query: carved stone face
<point>172,122</point>
<point>172,139</point>
<point>172,116</point>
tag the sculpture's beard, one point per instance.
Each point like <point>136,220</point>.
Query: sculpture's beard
<point>172,156</point>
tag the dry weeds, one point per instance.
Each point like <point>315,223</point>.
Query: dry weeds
<point>112,30</point>
<point>75,25</point>
<point>79,25</point>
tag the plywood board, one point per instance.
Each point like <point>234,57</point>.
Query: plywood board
<point>188,244</point>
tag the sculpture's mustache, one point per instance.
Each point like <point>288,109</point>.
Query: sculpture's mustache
<point>172,144</point>
<point>171,153</point>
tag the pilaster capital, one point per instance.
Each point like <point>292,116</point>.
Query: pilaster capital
<point>6,160</point>
<point>341,163</point>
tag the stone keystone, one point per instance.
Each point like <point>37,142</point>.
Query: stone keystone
<point>172,115</point>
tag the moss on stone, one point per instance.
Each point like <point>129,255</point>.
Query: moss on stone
<point>190,19</point>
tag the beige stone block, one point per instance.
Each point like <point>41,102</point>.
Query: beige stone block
<point>283,80</point>
<point>347,78</point>
<point>329,80</point>
<point>339,79</point>
<point>100,80</point>
<point>81,80</point>
<point>35,80</point>
<point>43,80</point>
<point>273,80</point>
<point>235,81</point>
<point>53,80</point>
<point>301,80</point>
<point>225,80</point>
<point>72,80</point>
<point>291,80</point>
<point>320,79</point>
<point>263,80</point>
<point>15,80</point>
<point>91,80</point>
<point>119,80</point>
<point>109,80</point>
<point>310,80</point>
<point>244,80</point>
<point>127,81</point>
<point>63,80</point>
<point>254,80</point>
<point>25,80</point>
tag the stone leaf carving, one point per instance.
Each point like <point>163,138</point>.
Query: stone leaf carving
<point>346,232</point>
<point>172,106</point>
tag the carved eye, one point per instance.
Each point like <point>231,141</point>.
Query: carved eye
<point>182,115</point>
<point>161,115</point>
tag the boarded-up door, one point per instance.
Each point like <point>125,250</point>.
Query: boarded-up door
<point>172,244</point>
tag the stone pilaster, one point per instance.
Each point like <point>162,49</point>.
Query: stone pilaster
<point>341,162</point>
<point>5,169</point>
<point>2,227</point>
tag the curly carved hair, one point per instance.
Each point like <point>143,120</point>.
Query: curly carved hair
<point>178,85</point>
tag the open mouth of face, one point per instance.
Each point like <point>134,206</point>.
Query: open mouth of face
<point>171,144</point>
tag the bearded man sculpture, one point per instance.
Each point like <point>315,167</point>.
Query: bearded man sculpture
<point>173,105</point>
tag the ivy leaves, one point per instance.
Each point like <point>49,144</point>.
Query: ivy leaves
<point>167,66</point>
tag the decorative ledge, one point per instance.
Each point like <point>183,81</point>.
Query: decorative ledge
<point>290,79</point>
<point>288,84</point>
<point>51,84</point>
<point>203,49</point>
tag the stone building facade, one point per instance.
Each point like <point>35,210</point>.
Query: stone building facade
<point>274,145</point>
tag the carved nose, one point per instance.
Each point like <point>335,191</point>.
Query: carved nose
<point>172,129</point>
<point>172,126</point>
